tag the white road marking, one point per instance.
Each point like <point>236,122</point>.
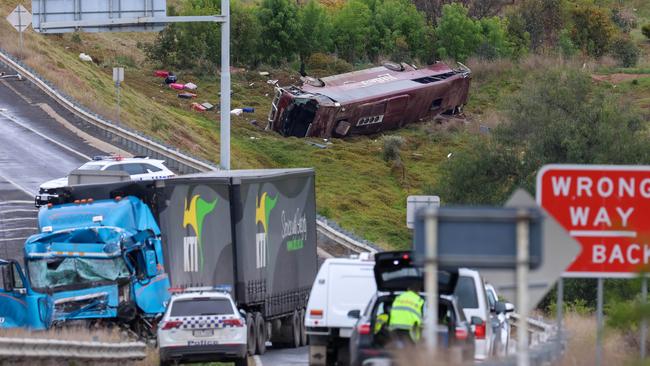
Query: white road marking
<point>18,229</point>
<point>18,210</point>
<point>258,360</point>
<point>14,120</point>
<point>29,193</point>
<point>12,239</point>
<point>18,219</point>
<point>16,202</point>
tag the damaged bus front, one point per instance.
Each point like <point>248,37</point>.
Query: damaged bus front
<point>368,101</point>
<point>97,261</point>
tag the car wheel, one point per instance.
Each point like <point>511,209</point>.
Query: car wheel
<point>250,335</point>
<point>295,322</point>
<point>260,334</point>
<point>303,329</point>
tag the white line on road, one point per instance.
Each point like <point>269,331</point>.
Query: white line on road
<point>603,233</point>
<point>17,210</point>
<point>29,193</point>
<point>258,360</point>
<point>18,229</point>
<point>14,120</point>
<point>18,219</point>
<point>13,202</point>
<point>12,239</point>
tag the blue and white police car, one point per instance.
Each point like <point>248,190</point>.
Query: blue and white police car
<point>202,325</point>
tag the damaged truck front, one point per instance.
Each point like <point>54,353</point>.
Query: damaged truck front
<point>368,101</point>
<point>97,261</point>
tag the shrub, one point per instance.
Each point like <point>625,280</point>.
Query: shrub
<point>592,30</point>
<point>624,19</point>
<point>392,145</point>
<point>625,51</point>
<point>646,30</point>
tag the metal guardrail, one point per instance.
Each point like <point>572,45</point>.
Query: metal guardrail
<point>51,349</point>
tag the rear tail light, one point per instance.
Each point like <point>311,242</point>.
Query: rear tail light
<point>171,324</point>
<point>364,329</point>
<point>234,322</point>
<point>315,313</point>
<point>479,331</point>
<point>461,333</point>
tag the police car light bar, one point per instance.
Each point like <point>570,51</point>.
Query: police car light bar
<point>218,288</point>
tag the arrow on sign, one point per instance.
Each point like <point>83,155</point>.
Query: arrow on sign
<point>559,250</point>
<point>20,18</point>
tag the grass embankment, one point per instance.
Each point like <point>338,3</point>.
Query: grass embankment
<point>355,186</point>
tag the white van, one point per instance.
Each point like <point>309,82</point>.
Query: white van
<point>342,285</point>
<point>470,291</point>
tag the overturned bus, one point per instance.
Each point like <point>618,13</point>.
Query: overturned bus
<point>368,101</point>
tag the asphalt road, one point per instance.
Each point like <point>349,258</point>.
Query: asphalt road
<point>34,147</point>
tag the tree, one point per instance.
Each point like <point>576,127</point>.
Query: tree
<point>404,30</point>
<point>592,30</point>
<point>560,117</point>
<point>543,21</point>
<point>494,43</point>
<point>315,30</point>
<point>245,33</point>
<point>280,30</point>
<point>458,36</point>
<point>351,29</point>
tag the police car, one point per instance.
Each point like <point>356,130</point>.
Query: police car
<point>138,168</point>
<point>202,325</point>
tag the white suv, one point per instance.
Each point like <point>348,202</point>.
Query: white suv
<point>470,291</point>
<point>202,325</point>
<point>138,168</point>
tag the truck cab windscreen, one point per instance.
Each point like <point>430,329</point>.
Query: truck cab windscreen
<point>60,274</point>
<point>298,116</point>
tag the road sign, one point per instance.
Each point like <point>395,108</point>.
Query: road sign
<point>51,16</point>
<point>606,209</point>
<point>20,18</point>
<point>480,237</point>
<point>559,250</point>
<point>118,75</point>
<point>414,203</point>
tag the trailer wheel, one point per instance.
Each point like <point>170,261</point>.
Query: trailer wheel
<point>250,334</point>
<point>303,329</point>
<point>295,331</point>
<point>260,334</point>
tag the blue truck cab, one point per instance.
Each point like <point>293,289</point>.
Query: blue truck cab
<point>91,260</point>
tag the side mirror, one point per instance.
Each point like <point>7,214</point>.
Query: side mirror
<point>8,277</point>
<point>509,307</point>
<point>476,320</point>
<point>242,313</point>
<point>500,307</point>
<point>354,314</point>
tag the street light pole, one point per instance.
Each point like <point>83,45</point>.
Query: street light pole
<point>225,86</point>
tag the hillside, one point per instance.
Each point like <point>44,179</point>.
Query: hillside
<point>355,186</point>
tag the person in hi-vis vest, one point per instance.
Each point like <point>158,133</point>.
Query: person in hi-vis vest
<point>406,315</point>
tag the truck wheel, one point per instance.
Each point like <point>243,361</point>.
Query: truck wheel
<point>250,334</point>
<point>295,331</point>
<point>260,334</point>
<point>303,330</point>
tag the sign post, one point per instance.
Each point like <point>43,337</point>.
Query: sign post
<point>605,208</point>
<point>118,78</point>
<point>20,19</point>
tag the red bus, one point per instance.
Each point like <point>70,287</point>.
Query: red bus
<point>368,101</point>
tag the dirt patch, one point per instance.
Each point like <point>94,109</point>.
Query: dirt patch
<point>618,78</point>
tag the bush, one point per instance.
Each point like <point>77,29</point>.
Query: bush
<point>392,145</point>
<point>625,51</point>
<point>624,19</point>
<point>592,30</point>
<point>646,30</point>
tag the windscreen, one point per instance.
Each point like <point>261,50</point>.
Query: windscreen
<point>53,273</point>
<point>466,293</point>
<point>201,306</point>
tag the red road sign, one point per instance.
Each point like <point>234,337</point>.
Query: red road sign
<point>606,208</point>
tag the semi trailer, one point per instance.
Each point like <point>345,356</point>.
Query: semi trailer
<point>254,230</point>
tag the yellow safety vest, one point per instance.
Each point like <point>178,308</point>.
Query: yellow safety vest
<point>406,313</point>
<point>381,320</point>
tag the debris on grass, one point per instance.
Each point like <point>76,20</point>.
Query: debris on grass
<point>85,58</point>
